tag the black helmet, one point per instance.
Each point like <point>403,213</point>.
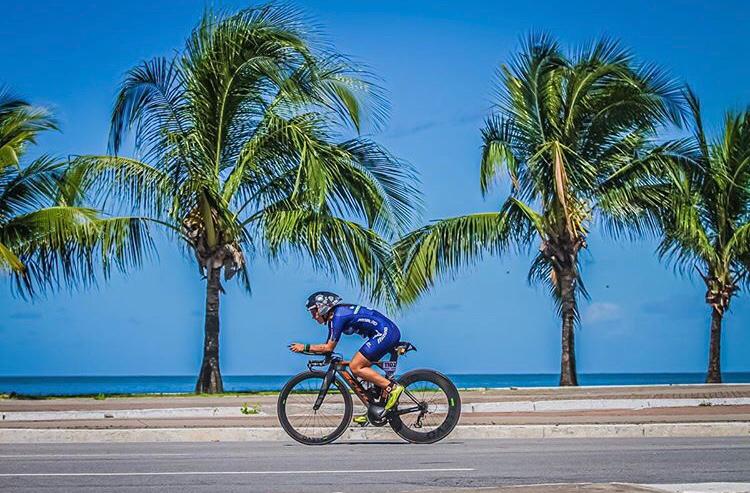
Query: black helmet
<point>323,301</point>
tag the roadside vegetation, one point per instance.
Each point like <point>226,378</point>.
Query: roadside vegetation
<point>706,217</point>
<point>248,143</point>
<point>575,135</point>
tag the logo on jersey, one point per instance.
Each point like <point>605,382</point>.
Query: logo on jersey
<point>379,336</point>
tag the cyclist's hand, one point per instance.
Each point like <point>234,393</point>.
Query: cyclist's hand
<point>296,347</point>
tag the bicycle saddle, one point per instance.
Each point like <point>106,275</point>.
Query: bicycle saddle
<point>404,347</point>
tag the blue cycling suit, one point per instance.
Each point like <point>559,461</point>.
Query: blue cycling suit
<point>381,333</point>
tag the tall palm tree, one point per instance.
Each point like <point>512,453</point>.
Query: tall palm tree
<point>241,146</point>
<point>47,238</point>
<point>706,220</point>
<point>573,134</point>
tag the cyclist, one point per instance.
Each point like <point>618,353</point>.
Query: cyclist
<point>342,318</point>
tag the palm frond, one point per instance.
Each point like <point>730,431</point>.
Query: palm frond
<point>9,260</point>
<point>443,248</point>
<point>334,245</point>
<point>20,124</point>
<point>108,181</point>
<point>67,246</point>
<point>151,100</point>
<point>384,184</point>
<point>497,152</point>
<point>29,187</point>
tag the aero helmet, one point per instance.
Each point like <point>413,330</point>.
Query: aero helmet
<point>323,301</point>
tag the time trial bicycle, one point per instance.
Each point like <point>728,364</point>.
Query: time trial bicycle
<point>315,407</point>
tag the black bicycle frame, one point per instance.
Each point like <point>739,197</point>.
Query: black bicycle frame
<point>337,366</point>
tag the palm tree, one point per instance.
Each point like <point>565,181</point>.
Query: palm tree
<point>706,220</point>
<point>241,146</point>
<point>47,239</point>
<point>573,133</point>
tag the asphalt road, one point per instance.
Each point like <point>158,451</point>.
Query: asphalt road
<point>366,467</point>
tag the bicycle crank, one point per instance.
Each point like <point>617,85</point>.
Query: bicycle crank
<point>377,415</point>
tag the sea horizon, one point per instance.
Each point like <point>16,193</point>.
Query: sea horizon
<point>35,385</point>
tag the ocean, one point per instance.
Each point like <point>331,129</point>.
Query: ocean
<point>93,385</point>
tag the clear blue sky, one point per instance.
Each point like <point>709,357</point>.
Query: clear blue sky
<point>437,60</point>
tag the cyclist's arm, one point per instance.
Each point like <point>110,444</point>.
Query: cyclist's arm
<point>334,334</point>
<point>328,347</point>
<point>335,329</point>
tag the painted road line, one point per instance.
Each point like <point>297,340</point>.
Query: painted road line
<point>74,456</point>
<point>226,473</point>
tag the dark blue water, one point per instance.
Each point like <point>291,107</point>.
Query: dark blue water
<point>237,383</point>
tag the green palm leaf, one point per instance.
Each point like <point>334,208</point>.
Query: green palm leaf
<point>444,247</point>
<point>48,238</point>
<point>65,245</point>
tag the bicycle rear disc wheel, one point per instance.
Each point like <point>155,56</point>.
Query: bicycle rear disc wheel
<point>440,401</point>
<point>307,425</point>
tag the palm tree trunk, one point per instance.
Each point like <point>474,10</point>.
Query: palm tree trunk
<point>209,379</point>
<point>714,351</point>
<point>567,279</point>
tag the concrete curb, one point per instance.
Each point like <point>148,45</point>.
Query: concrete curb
<point>170,413</point>
<point>598,404</point>
<point>478,407</point>
<point>651,430</point>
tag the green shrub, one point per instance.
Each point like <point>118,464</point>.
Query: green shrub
<point>254,409</point>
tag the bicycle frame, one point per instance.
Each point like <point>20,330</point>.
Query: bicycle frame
<point>338,366</point>
<point>421,415</point>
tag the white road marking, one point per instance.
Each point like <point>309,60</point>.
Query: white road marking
<point>210,473</point>
<point>73,456</point>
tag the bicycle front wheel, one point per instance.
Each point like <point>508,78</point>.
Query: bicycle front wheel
<point>307,425</point>
<point>436,404</point>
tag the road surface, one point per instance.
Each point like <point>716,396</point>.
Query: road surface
<point>367,466</point>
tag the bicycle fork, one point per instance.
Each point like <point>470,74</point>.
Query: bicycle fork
<point>330,375</point>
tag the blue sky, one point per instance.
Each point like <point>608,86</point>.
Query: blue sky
<point>437,62</point>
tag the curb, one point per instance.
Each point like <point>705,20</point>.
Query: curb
<point>598,404</point>
<point>648,430</point>
<point>477,407</point>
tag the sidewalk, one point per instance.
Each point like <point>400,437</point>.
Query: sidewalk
<point>680,410</point>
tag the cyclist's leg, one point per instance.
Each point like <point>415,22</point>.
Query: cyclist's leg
<point>372,351</point>
<point>361,366</point>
